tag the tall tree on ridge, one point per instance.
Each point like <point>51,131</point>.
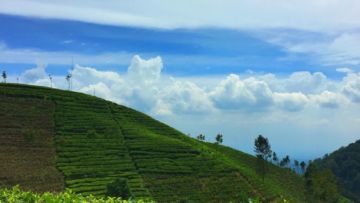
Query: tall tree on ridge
<point>219,138</point>
<point>285,161</point>
<point>68,79</point>
<point>201,137</point>
<point>263,153</point>
<point>296,163</point>
<point>303,166</point>
<point>51,79</point>
<point>4,76</point>
<point>275,158</point>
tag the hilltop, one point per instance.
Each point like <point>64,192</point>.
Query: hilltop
<point>53,139</point>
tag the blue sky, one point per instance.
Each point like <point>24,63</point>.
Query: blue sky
<point>195,51</point>
<point>243,68</point>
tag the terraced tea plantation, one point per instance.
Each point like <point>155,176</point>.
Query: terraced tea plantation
<point>85,143</point>
<point>27,153</point>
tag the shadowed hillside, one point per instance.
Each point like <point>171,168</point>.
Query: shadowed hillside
<point>345,164</point>
<point>93,143</point>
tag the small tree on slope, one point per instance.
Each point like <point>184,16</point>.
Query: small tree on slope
<point>4,76</point>
<point>219,138</point>
<point>263,153</point>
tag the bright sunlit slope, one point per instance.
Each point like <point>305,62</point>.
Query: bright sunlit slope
<point>85,143</point>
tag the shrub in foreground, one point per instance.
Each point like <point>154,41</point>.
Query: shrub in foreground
<point>16,195</point>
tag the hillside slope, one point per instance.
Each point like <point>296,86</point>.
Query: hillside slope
<point>92,142</point>
<point>345,164</point>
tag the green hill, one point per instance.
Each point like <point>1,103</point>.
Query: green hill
<point>53,139</point>
<point>345,164</point>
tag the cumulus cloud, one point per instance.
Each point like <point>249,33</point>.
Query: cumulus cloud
<point>306,82</point>
<point>187,97</point>
<point>234,93</point>
<point>84,76</point>
<point>328,99</point>
<point>34,74</point>
<point>295,101</point>
<point>351,87</point>
<point>145,71</point>
<point>301,81</point>
<point>145,88</point>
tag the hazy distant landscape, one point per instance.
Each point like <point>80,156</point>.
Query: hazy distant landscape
<point>159,101</point>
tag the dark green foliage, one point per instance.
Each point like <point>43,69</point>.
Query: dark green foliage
<point>262,147</point>
<point>4,76</point>
<point>296,165</point>
<point>68,79</point>
<point>92,134</point>
<point>303,166</point>
<point>219,138</point>
<point>29,135</point>
<point>345,165</point>
<point>285,161</point>
<point>321,185</point>
<point>278,181</point>
<point>119,188</point>
<point>275,158</point>
<point>263,153</point>
<point>200,137</point>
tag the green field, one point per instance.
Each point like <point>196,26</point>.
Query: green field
<point>86,143</point>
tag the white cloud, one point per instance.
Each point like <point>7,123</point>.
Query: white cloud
<point>333,48</point>
<point>141,87</point>
<point>11,55</point>
<point>309,15</point>
<point>295,101</point>
<point>84,76</point>
<point>34,74</point>
<point>187,97</point>
<point>80,11</point>
<point>306,82</point>
<point>329,99</point>
<point>145,88</point>
<point>325,29</point>
<point>145,71</point>
<point>234,93</point>
<point>255,104</point>
<point>100,89</point>
<point>344,70</point>
<point>351,87</point>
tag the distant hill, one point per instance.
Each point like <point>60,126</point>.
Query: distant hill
<point>53,139</point>
<point>345,164</point>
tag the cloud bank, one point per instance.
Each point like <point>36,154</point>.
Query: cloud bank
<point>144,87</point>
<point>302,107</point>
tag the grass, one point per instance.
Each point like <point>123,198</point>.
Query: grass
<point>97,141</point>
